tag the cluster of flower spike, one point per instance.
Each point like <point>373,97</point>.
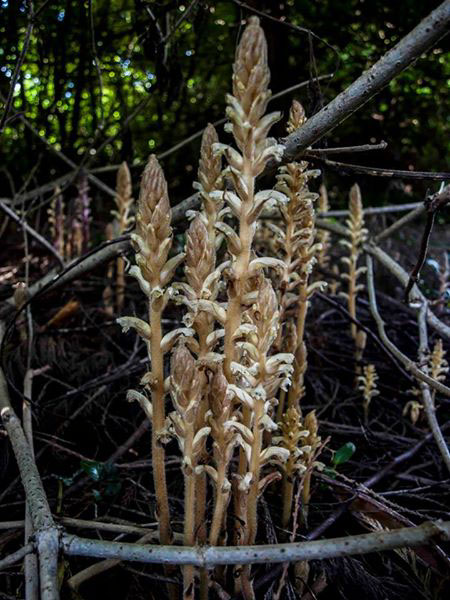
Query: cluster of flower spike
<point>229,363</point>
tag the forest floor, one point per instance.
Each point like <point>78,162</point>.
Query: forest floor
<point>93,447</point>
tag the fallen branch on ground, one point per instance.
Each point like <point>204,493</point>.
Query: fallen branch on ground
<point>228,555</point>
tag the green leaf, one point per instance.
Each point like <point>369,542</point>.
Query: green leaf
<point>344,453</point>
<point>93,469</point>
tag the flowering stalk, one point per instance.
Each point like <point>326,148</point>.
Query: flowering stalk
<point>246,108</point>
<point>300,438</point>
<point>83,210</point>
<point>438,368</point>
<point>368,387</point>
<point>108,292</point>
<point>56,219</point>
<point>123,221</point>
<point>297,242</point>
<point>224,440</point>
<point>187,387</point>
<point>152,242</point>
<point>357,234</point>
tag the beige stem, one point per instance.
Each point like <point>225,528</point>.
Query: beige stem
<point>189,515</point>
<point>220,506</point>
<point>306,493</point>
<point>299,355</point>
<point>120,281</point>
<point>288,494</point>
<point>158,452</point>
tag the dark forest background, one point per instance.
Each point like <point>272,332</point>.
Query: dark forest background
<point>105,81</point>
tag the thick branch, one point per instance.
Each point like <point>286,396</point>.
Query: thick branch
<point>36,498</point>
<point>46,532</point>
<point>221,555</point>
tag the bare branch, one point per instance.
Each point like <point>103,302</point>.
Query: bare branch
<point>31,232</point>
<point>16,556</point>
<point>428,404</point>
<point>348,149</point>
<point>225,555</point>
<point>409,364</point>
<point>398,272</point>
<point>376,171</point>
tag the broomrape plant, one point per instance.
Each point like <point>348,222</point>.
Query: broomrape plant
<point>437,366</point>
<point>368,387</point>
<point>230,358</point>
<point>357,234</point>
<point>122,222</point>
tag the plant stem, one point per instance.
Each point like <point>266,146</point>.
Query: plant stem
<point>220,505</point>
<point>158,452</point>
<point>189,516</point>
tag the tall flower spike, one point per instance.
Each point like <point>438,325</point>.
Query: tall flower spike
<point>210,180</point>
<point>201,285</point>
<point>291,434</point>
<point>187,388</point>
<point>357,234</point>
<point>368,388</point>
<point>444,283</point>
<point>312,446</point>
<point>83,209</point>
<point>268,373</point>
<point>438,364</point>
<point>123,221</point>
<point>299,250</point>
<point>302,441</point>
<point>152,242</point>
<point>56,218</point>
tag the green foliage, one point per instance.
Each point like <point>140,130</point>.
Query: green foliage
<point>105,475</point>
<point>177,70</point>
<point>343,454</point>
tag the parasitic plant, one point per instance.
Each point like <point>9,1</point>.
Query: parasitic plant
<point>122,222</point>
<point>152,242</point>
<point>230,360</point>
<point>357,234</point>
<point>437,366</point>
<point>368,387</point>
<point>296,240</point>
<point>300,437</point>
<point>187,384</point>
<point>57,219</point>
